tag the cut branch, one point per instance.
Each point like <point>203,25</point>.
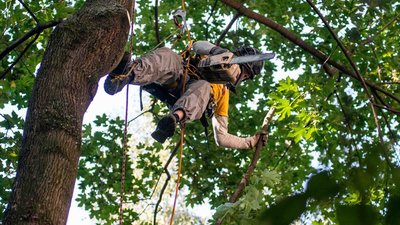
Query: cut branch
<point>256,156</point>
<point>302,44</point>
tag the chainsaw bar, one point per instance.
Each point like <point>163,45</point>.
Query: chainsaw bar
<point>252,58</point>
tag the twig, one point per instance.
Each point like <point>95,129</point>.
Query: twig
<point>387,83</point>
<point>9,124</point>
<point>37,30</point>
<point>156,27</point>
<point>166,181</point>
<point>19,57</point>
<point>283,155</point>
<point>380,99</point>
<point>141,114</point>
<point>372,38</point>
<point>29,11</point>
<point>256,156</point>
<point>390,109</point>
<point>349,128</point>
<point>259,146</point>
<point>24,64</point>
<point>227,28</point>
<point>393,137</point>
<point>211,13</point>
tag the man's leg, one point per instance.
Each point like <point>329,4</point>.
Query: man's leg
<point>190,106</point>
<point>162,66</point>
<point>118,77</point>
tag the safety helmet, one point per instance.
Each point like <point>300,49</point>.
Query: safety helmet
<point>253,68</point>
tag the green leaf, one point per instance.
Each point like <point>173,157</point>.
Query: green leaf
<point>284,212</point>
<point>321,186</point>
<point>356,215</point>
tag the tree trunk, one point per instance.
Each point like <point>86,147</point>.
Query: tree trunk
<point>80,51</point>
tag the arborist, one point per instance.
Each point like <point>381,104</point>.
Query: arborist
<point>164,69</point>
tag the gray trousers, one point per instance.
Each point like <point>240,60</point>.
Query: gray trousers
<point>164,67</point>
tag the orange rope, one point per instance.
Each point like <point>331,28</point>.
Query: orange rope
<point>178,182</point>
<point>183,4</point>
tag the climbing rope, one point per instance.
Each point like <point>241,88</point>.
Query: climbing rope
<point>187,52</point>
<point>178,182</point>
<point>122,191</point>
<point>184,53</point>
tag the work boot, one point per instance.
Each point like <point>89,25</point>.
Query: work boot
<point>165,128</point>
<point>119,77</point>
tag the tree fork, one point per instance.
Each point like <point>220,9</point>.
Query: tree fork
<point>81,50</point>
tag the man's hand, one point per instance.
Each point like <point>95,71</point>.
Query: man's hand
<point>262,136</point>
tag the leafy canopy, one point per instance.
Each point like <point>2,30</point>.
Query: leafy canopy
<point>323,122</point>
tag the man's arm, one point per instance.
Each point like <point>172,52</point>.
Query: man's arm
<point>224,139</point>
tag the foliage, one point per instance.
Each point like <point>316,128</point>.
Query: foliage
<point>323,121</point>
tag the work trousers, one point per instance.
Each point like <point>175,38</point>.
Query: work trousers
<point>165,68</point>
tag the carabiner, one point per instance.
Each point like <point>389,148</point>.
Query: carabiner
<point>180,14</point>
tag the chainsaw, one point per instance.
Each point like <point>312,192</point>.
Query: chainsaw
<point>216,68</point>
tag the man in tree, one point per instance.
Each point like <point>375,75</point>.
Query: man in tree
<point>164,67</point>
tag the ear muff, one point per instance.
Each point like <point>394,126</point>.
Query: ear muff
<point>253,68</point>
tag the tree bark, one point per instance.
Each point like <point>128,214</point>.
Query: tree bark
<point>80,51</point>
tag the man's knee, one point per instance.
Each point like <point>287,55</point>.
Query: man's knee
<point>202,86</point>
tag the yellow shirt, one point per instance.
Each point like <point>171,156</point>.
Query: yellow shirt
<point>220,95</point>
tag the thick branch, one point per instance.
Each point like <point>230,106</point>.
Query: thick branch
<point>299,42</point>
<point>222,36</point>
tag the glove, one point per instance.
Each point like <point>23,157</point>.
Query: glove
<point>262,136</point>
<point>165,128</point>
